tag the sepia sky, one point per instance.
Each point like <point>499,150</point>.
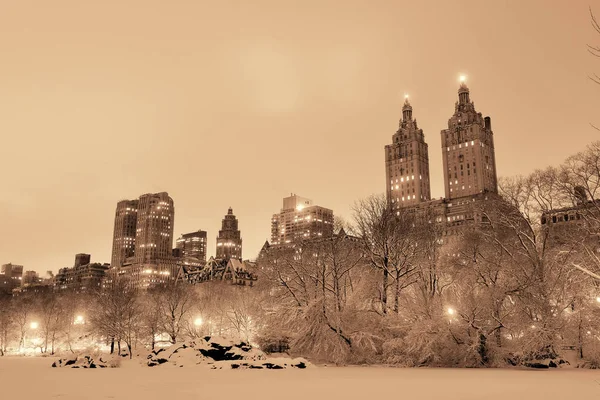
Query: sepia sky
<point>239,103</point>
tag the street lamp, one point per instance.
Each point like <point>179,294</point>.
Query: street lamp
<point>451,311</point>
<point>34,325</point>
<point>79,320</point>
<point>198,321</point>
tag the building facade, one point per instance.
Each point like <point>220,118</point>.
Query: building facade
<point>124,232</point>
<point>192,245</point>
<point>407,164</point>
<point>229,241</point>
<point>300,219</point>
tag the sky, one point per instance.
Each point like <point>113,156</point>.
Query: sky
<point>240,103</point>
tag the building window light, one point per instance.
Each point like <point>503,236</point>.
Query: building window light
<point>472,143</point>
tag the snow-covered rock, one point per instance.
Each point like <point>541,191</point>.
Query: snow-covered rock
<point>82,361</point>
<point>219,353</point>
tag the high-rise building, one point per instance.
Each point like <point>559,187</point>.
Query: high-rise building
<point>407,163</point>
<point>469,160</point>
<point>154,228</point>
<point>300,219</point>
<point>229,241</point>
<point>124,232</point>
<point>82,259</point>
<point>193,245</point>
<point>143,241</point>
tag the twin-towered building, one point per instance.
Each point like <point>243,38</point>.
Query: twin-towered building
<point>468,159</point>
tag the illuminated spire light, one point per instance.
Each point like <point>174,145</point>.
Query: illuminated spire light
<point>463,79</point>
<point>406,96</point>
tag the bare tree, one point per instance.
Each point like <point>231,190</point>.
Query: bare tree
<point>6,323</point>
<point>388,245</point>
<point>177,302</point>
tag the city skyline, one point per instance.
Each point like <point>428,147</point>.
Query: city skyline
<point>116,107</point>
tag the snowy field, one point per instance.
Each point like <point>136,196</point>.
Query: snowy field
<point>33,378</point>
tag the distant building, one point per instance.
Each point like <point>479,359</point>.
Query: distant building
<point>81,277</point>
<point>300,220</point>
<point>82,259</point>
<point>231,270</point>
<point>12,271</point>
<point>124,232</point>
<point>229,241</point>
<point>192,245</point>
<point>30,278</point>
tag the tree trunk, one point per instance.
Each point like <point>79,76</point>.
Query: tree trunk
<point>397,294</point>
<point>580,336</point>
<point>112,345</point>
<point>384,298</point>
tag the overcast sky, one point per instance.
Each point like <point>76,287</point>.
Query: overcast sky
<point>240,103</point>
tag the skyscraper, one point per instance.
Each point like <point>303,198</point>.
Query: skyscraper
<point>229,241</point>
<point>469,160</point>
<point>124,232</point>
<point>300,220</point>
<point>193,245</point>
<point>154,228</point>
<point>407,163</point>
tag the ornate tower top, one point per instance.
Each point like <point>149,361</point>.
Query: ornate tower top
<point>463,92</point>
<point>406,110</point>
<point>230,211</point>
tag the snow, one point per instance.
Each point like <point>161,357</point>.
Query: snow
<point>34,378</point>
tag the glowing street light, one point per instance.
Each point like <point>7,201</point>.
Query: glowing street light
<point>34,325</point>
<point>451,311</point>
<point>198,321</point>
<point>79,320</point>
<point>598,299</point>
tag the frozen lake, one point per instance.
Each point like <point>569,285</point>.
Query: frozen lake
<point>33,378</point>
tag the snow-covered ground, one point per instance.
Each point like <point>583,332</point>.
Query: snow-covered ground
<point>33,378</point>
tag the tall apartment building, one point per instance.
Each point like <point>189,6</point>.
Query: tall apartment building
<point>124,232</point>
<point>407,163</point>
<point>469,160</point>
<point>229,241</point>
<point>154,228</point>
<point>300,219</point>
<point>143,241</point>
<point>193,245</point>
